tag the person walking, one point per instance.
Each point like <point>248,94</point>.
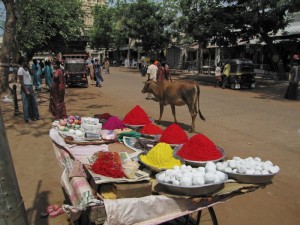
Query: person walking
<point>91,70</point>
<point>98,75</point>
<point>218,74</point>
<point>294,78</point>
<point>57,105</point>
<point>36,72</point>
<point>226,72</point>
<point>48,74</point>
<point>163,72</point>
<point>30,108</point>
<point>106,65</point>
<point>151,74</point>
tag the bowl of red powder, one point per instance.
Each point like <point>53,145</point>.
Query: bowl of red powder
<point>151,130</point>
<point>136,117</point>
<point>173,135</point>
<point>199,150</point>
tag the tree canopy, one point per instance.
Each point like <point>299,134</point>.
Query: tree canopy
<point>47,25</point>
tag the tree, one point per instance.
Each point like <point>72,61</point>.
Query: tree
<point>263,19</point>
<point>48,25</point>
<point>101,35</point>
<point>8,49</point>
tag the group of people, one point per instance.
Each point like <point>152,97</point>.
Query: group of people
<point>29,77</point>
<point>158,72</point>
<point>95,69</point>
<point>221,75</point>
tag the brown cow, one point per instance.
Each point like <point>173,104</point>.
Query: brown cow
<point>176,93</point>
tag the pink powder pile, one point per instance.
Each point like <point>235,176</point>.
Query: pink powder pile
<point>112,123</point>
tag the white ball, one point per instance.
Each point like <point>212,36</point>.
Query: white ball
<point>265,172</point>
<point>167,179</point>
<point>79,133</point>
<point>211,169</point>
<point>234,170</point>
<point>210,164</point>
<point>217,179</point>
<point>201,169</point>
<point>176,182</point>
<point>274,169</point>
<point>221,175</point>
<point>257,172</point>
<point>249,172</point>
<point>209,178</point>
<point>236,158</point>
<point>178,176</point>
<point>232,164</point>
<point>241,169</point>
<point>221,167</point>
<point>183,167</point>
<point>176,168</point>
<point>189,168</point>
<point>228,169</point>
<point>198,181</point>
<point>72,131</point>
<point>161,177</point>
<point>269,162</point>
<point>186,181</point>
<point>198,174</point>
<point>257,159</point>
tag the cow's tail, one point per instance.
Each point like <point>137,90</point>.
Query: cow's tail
<point>198,96</point>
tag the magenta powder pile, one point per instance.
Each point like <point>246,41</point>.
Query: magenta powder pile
<point>112,123</point>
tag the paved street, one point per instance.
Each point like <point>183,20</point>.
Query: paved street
<point>244,123</point>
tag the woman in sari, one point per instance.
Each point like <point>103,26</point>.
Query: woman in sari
<point>57,94</point>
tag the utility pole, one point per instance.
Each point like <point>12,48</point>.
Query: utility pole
<point>12,209</point>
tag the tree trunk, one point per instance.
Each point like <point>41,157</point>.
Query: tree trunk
<point>200,58</point>
<point>9,45</point>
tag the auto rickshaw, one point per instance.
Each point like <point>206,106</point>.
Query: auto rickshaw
<point>75,72</point>
<point>241,73</point>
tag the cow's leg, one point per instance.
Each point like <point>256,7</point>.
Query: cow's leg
<point>174,113</point>
<point>161,111</point>
<point>193,112</point>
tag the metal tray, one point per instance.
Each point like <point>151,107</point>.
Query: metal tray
<point>199,163</point>
<point>251,179</point>
<point>194,190</point>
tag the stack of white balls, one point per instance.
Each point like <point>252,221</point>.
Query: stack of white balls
<point>188,176</point>
<point>248,166</point>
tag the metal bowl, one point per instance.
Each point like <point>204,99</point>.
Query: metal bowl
<point>199,163</point>
<point>195,190</point>
<point>251,179</point>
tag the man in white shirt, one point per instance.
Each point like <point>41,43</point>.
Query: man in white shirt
<point>151,73</point>
<point>30,109</point>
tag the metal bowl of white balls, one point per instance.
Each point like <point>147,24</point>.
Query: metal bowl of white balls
<point>199,163</point>
<point>249,170</point>
<point>188,181</point>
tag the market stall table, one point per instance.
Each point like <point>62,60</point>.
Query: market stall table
<point>87,206</point>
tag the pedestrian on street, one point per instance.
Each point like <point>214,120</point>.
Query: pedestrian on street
<point>218,75</point>
<point>294,78</point>
<point>106,65</point>
<point>30,108</point>
<point>98,75</point>
<point>48,74</point>
<point>226,72</point>
<point>151,74</point>
<point>57,105</point>
<point>36,72</point>
<point>91,71</point>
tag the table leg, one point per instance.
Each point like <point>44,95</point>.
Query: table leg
<point>212,215</point>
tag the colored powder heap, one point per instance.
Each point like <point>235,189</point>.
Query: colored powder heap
<point>161,156</point>
<point>136,116</point>
<point>113,123</point>
<point>199,148</point>
<point>151,129</point>
<point>174,134</point>
<point>108,164</point>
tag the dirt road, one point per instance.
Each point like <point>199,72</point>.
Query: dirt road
<point>244,123</point>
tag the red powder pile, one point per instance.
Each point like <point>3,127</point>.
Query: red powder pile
<point>136,116</point>
<point>151,128</point>
<point>199,148</point>
<point>173,134</point>
<point>104,116</point>
<point>112,123</point>
<point>108,164</point>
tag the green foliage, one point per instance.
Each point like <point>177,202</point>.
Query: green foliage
<point>101,34</point>
<point>47,25</point>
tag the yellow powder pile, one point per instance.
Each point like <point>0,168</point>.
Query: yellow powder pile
<point>161,156</point>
